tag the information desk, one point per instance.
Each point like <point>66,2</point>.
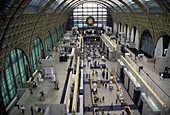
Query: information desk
<point>91,37</point>
<point>165,75</point>
<point>121,98</point>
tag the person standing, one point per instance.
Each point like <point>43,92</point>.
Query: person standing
<point>22,109</point>
<point>32,110</point>
<point>108,113</point>
<point>102,111</point>
<point>107,75</point>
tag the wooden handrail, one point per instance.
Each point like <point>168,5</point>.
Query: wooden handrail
<point>127,107</point>
<point>75,87</point>
<point>109,41</point>
<point>95,110</point>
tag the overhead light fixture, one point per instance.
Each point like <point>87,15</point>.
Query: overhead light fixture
<point>147,0</point>
<point>132,2</point>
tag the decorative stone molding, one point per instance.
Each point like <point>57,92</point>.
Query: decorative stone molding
<point>10,12</point>
<point>4,23</point>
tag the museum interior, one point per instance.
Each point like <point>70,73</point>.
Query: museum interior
<point>85,57</point>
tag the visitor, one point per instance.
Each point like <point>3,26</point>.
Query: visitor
<point>32,110</point>
<point>22,109</point>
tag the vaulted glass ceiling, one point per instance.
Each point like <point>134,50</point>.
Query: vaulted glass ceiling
<point>35,6</point>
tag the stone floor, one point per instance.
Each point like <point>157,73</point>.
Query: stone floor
<point>54,96</point>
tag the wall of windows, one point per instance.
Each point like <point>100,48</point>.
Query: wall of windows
<point>37,54</point>
<point>16,72</point>
<point>48,44</point>
<point>55,36</point>
<point>99,13</point>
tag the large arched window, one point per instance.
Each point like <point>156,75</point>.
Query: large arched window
<point>16,72</point>
<point>37,53</point>
<point>146,44</point>
<point>48,44</point>
<point>55,37</point>
<point>100,14</point>
<point>120,27</point>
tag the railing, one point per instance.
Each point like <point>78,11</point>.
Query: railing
<point>66,83</point>
<point>75,88</point>
<point>147,86</point>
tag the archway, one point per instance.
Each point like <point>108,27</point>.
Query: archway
<point>114,27</point>
<point>162,47</point>
<point>16,72</point>
<point>135,37</point>
<point>133,34</point>
<point>37,54</point>
<point>146,44</point>
<point>126,30</point>
<point>120,27</point>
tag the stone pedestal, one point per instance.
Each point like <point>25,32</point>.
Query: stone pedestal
<point>42,98</point>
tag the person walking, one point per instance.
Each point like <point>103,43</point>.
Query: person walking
<point>102,111</point>
<point>89,107</point>
<point>111,105</point>
<point>103,74</point>
<point>32,110</point>
<point>22,109</point>
<point>103,99</point>
<point>54,84</point>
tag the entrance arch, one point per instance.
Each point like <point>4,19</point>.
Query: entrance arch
<point>146,44</point>
<point>162,47</point>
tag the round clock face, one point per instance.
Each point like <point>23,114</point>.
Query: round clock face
<point>90,21</point>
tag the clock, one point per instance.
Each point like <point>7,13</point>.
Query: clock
<point>90,21</point>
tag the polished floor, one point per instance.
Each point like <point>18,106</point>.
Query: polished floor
<point>51,96</point>
<point>110,96</point>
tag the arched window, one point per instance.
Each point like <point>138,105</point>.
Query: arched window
<point>120,27</point>
<point>16,72</point>
<point>146,44</point>
<point>48,44</point>
<point>37,54</point>
<point>55,36</point>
